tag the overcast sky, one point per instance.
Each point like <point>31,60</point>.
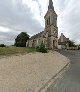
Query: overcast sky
<point>28,16</point>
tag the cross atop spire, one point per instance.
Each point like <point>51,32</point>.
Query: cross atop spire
<point>50,5</point>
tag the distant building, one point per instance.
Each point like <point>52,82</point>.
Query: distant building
<point>63,41</point>
<point>50,34</point>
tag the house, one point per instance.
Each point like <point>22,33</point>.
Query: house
<point>63,42</point>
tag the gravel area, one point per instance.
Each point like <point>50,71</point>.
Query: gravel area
<point>28,73</point>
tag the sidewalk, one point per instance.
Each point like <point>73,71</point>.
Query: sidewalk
<point>28,73</point>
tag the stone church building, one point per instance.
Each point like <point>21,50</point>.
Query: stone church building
<point>50,34</point>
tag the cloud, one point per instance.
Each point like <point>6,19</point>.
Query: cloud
<point>24,15</point>
<point>69,19</point>
<point>16,16</point>
<point>3,29</point>
<point>39,5</point>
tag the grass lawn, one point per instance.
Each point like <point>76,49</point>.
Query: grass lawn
<point>15,50</point>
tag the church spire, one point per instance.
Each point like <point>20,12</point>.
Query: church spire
<point>50,5</point>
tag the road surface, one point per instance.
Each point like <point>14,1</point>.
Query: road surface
<point>70,82</point>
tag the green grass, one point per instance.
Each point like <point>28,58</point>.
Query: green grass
<point>15,50</point>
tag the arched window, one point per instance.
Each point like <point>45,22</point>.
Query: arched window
<point>49,20</point>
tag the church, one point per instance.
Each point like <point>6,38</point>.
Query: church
<point>50,34</point>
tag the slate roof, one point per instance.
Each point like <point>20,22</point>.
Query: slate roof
<point>50,5</point>
<point>37,35</point>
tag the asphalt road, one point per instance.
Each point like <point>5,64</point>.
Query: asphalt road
<point>70,82</point>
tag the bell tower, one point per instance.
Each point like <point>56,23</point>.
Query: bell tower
<point>51,29</point>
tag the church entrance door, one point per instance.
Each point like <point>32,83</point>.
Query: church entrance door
<point>54,44</point>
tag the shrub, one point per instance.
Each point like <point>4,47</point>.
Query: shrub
<point>42,48</point>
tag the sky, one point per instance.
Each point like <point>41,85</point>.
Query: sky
<point>18,16</point>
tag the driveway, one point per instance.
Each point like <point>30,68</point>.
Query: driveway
<point>70,82</point>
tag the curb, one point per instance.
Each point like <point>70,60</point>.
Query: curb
<point>47,84</point>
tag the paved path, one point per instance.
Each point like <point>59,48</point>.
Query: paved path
<point>70,82</point>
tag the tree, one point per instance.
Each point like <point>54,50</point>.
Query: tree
<point>2,45</point>
<point>21,39</point>
<point>71,43</point>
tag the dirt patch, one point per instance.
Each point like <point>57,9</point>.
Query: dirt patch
<point>27,73</point>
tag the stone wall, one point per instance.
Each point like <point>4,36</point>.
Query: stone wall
<point>72,48</point>
<point>35,42</point>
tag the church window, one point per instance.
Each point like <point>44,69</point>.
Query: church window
<point>49,20</point>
